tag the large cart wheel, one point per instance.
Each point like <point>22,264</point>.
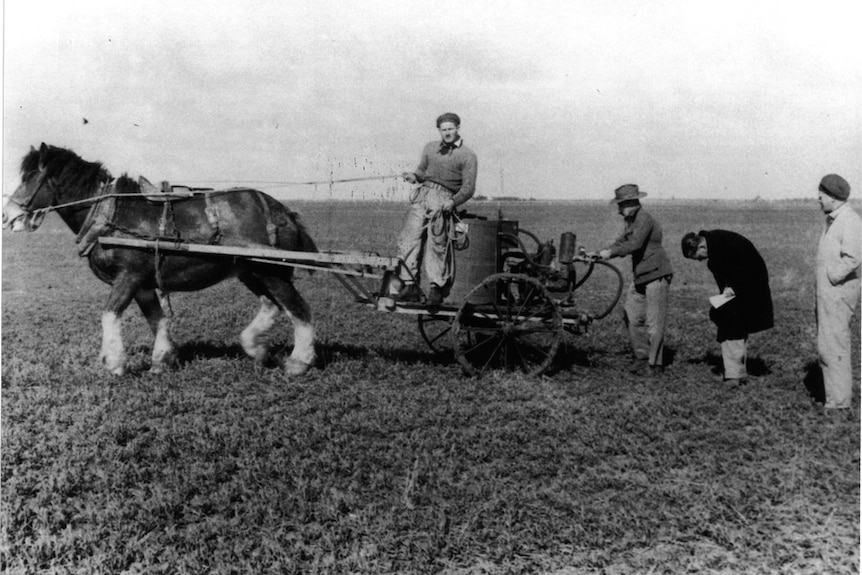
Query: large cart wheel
<point>507,321</point>
<point>435,330</point>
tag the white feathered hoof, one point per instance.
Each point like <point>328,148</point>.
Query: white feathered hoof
<point>293,366</point>
<point>160,367</point>
<point>164,363</point>
<point>118,370</point>
<point>254,347</point>
<point>117,366</point>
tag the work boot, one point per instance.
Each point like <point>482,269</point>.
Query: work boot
<point>435,296</point>
<point>409,293</point>
<point>638,364</point>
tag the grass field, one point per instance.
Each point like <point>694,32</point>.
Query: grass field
<point>385,459</point>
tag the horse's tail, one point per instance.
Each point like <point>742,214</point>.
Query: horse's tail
<point>278,215</point>
<point>304,241</point>
<point>306,244</point>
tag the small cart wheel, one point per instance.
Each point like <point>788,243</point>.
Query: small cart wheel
<point>435,330</point>
<point>507,321</point>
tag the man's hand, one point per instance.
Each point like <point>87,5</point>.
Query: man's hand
<point>448,206</point>
<point>728,292</point>
<point>410,177</point>
<point>600,255</point>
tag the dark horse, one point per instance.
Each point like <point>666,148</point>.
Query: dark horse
<point>92,204</point>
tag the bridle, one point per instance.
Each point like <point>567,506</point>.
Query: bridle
<point>26,205</point>
<point>34,217</point>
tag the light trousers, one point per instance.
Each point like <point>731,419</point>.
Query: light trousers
<point>415,232</point>
<point>733,355</point>
<point>646,318</point>
<point>835,308</point>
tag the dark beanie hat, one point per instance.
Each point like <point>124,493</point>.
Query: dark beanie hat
<point>448,117</point>
<point>835,186</point>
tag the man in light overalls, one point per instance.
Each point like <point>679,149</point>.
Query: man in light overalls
<point>447,174</point>
<point>839,255</point>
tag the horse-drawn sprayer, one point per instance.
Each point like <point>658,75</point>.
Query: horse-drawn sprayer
<point>513,299</point>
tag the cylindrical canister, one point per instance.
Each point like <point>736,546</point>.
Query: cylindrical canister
<point>567,247</point>
<point>547,253</point>
<point>477,261</point>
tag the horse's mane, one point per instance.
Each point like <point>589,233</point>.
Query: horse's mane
<point>76,175</point>
<point>126,185</point>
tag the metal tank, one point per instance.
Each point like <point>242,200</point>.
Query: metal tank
<point>479,258</point>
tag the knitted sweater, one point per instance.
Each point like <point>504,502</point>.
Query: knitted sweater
<point>453,168</point>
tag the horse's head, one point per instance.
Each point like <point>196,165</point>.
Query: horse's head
<point>32,194</point>
<point>43,173</point>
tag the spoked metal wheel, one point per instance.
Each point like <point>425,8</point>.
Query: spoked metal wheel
<point>435,330</point>
<point>508,321</point>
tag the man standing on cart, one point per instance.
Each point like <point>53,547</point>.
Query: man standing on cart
<point>447,178</point>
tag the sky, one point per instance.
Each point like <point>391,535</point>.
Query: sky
<point>559,99</point>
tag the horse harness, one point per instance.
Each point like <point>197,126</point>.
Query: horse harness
<point>100,217</point>
<point>100,220</point>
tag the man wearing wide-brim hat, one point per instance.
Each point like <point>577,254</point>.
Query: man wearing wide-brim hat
<point>839,254</point>
<point>646,302</point>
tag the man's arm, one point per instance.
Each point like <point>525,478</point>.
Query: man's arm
<point>468,181</point>
<point>418,175</point>
<point>851,252</point>
<point>632,239</point>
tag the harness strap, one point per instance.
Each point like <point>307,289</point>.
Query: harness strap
<point>271,228</point>
<point>163,220</point>
<point>211,211</point>
<point>99,216</point>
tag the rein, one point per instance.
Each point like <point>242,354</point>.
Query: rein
<point>298,183</point>
<point>99,198</point>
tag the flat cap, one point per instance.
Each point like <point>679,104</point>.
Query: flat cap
<point>835,186</point>
<point>448,117</point>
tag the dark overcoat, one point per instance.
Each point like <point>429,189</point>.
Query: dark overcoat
<point>736,263</point>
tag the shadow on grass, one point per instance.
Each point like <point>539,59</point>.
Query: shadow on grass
<point>755,366</point>
<point>195,350</point>
<point>568,357</point>
<point>327,353</point>
<point>668,356</point>
<point>330,352</point>
<point>813,381</point>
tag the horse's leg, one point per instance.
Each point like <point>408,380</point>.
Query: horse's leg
<point>278,294</point>
<point>255,338</point>
<point>164,351</point>
<point>113,353</point>
<point>302,357</point>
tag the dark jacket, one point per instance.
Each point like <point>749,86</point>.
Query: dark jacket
<point>736,263</point>
<point>642,239</point>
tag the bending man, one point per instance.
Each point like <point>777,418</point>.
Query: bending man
<point>743,280</point>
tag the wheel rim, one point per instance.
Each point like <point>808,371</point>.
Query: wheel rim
<point>435,330</point>
<point>507,321</point>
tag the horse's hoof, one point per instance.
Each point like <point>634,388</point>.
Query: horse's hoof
<point>115,368</point>
<point>157,369</point>
<point>295,367</point>
<point>257,353</point>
